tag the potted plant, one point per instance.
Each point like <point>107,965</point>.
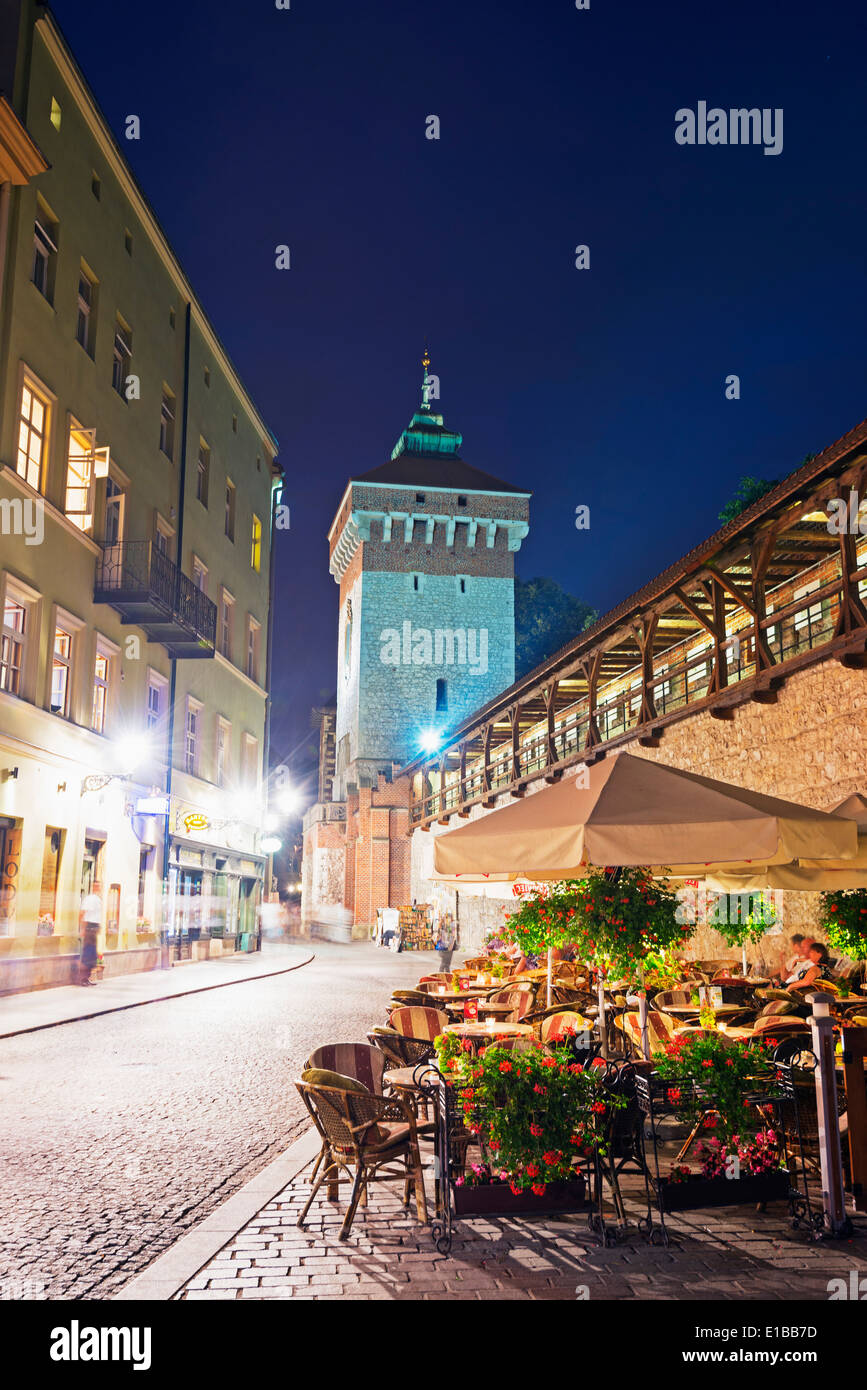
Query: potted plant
<point>844,919</point>
<point>722,1088</point>
<point>754,915</point>
<point>534,1116</point>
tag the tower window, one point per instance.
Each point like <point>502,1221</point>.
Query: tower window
<point>419,497</point>
<point>462,501</point>
<point>442,696</point>
<point>462,584</point>
<point>417,583</point>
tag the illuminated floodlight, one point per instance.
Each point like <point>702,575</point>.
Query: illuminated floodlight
<point>270,844</point>
<point>133,751</point>
<point>429,740</point>
<point>288,801</point>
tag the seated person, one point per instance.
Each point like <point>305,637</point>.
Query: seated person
<point>814,969</point>
<point>799,946</point>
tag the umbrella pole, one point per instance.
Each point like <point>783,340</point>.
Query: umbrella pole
<point>550,973</point>
<point>603,1019</point>
<point>642,1019</point>
<point>744,956</point>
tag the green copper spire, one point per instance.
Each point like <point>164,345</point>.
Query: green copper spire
<point>426,433</point>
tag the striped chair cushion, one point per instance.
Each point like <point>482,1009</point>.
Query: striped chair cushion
<point>419,1023</point>
<point>659,1029</point>
<point>555,1025</point>
<point>522,1001</point>
<point>359,1060</point>
<point>777,1007</point>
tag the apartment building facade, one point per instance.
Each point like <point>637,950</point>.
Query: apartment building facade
<point>138,490</point>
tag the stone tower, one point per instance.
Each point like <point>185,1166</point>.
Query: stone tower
<point>423,549</point>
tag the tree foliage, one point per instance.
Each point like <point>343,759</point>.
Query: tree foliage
<point>546,618</point>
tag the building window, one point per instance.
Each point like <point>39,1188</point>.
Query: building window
<point>55,115</point>
<point>227,605</point>
<point>145,863</point>
<point>96,185</point>
<point>252,666</point>
<point>250,760</point>
<point>167,424</point>
<point>32,436</point>
<point>79,478</point>
<point>224,735</point>
<point>230,509</point>
<point>13,645</point>
<point>419,497</point>
<point>51,857</point>
<point>122,357</point>
<point>203,473</point>
<point>207,376</point>
<point>172,317</point>
<point>347,641</point>
<point>112,520</point>
<point>61,672</point>
<point>45,235</point>
<point>101,680</point>
<point>417,583</point>
<point>256,547</point>
<point>156,700</point>
<point>462,583</point>
<point>462,501</point>
<point>127,242</point>
<point>10,866</point>
<point>192,737</point>
<point>234,424</point>
<point>442,696</point>
<point>85,328</point>
<point>200,575</point>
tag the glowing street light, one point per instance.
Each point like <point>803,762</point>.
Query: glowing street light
<point>429,740</point>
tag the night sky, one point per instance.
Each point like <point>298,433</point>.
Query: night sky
<point>603,386</point>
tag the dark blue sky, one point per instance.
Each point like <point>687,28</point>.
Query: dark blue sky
<point>604,386</point>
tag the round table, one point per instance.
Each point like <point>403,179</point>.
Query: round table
<point>490,1030</point>
<point>458,996</point>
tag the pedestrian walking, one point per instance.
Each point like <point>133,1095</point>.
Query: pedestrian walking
<point>90,920</point>
<point>447,943</point>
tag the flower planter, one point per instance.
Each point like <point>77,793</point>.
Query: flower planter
<point>498,1199</point>
<point>699,1192</point>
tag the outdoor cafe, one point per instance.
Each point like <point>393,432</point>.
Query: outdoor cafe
<point>588,1061</point>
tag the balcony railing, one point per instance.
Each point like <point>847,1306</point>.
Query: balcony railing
<point>150,591</point>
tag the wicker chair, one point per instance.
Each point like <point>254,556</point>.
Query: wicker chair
<point>398,1050</point>
<point>361,1061</point>
<point>660,1030</point>
<point>521,1000</point>
<point>425,1023</point>
<point>366,1133</point>
<point>555,1025</point>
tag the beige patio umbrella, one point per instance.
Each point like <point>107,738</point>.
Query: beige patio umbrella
<point>808,875</point>
<point>628,810</point>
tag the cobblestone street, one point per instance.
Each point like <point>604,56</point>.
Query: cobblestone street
<point>120,1133</point>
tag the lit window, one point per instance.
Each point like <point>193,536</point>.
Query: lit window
<point>200,575</point>
<point>101,677</point>
<point>79,479</point>
<point>32,436</point>
<point>250,758</point>
<point>203,473</point>
<point>55,114</point>
<point>121,358</point>
<point>13,645</point>
<point>256,549</point>
<point>167,425</point>
<point>230,510</point>
<point>191,737</point>
<point>224,734</point>
<point>156,700</point>
<point>60,672</point>
<point>44,255</point>
<point>86,322</point>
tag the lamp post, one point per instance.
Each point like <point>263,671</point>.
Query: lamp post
<point>830,1156</point>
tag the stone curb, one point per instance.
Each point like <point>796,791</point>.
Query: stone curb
<point>156,999</point>
<point>168,1274</point>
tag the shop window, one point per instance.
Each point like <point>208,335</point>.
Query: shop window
<point>10,867</point>
<point>51,858</point>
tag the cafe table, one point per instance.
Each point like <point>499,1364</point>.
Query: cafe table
<point>486,1010</point>
<point>489,1030</point>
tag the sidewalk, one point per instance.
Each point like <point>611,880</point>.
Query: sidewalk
<point>46,1008</point>
<point>251,1248</point>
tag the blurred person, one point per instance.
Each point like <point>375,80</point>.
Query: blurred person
<point>89,920</point>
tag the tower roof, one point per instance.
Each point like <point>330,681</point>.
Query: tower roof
<point>427,454</point>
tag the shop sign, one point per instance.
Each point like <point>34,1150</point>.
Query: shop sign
<point>194,822</point>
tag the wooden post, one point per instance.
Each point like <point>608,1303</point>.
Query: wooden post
<point>830,1157</point>
<point>603,1019</point>
<point>854,1052</point>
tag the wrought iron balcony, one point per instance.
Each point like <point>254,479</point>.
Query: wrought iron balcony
<point>149,591</point>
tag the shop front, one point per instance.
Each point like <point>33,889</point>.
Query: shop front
<point>214,887</point>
